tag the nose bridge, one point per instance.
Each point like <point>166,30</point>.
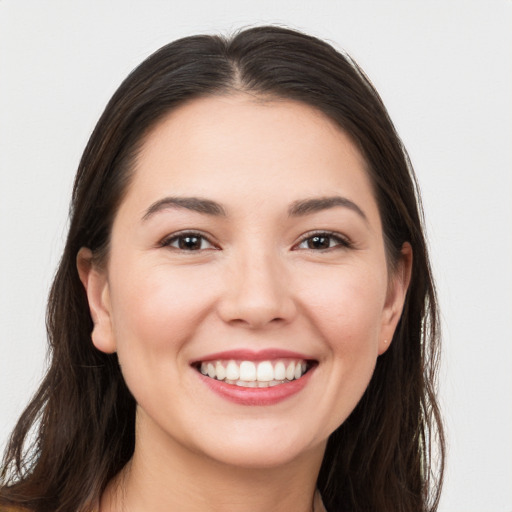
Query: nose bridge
<point>257,292</point>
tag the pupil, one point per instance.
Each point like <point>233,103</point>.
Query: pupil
<point>319,242</point>
<point>190,242</point>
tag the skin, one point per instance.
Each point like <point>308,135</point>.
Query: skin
<point>254,282</point>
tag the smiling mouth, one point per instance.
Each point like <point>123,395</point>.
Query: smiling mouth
<point>249,374</point>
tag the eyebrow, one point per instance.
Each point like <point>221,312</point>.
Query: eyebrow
<point>308,206</point>
<point>206,206</point>
<point>195,204</point>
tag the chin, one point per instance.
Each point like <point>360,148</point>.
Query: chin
<point>262,450</point>
<point>255,459</point>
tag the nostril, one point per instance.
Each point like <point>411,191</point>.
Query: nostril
<point>256,299</point>
<point>257,320</point>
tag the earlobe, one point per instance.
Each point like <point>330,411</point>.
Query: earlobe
<point>96,286</point>
<point>397,291</point>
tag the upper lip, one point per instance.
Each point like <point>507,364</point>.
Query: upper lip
<point>252,355</point>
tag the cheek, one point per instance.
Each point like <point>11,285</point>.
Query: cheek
<point>155,315</point>
<point>159,308</point>
<point>347,306</point>
<point>346,313</point>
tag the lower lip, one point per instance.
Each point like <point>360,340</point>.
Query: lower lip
<point>257,396</point>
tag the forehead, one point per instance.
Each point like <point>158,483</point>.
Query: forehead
<point>241,147</point>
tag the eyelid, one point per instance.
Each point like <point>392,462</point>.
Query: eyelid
<point>343,240</point>
<point>169,239</point>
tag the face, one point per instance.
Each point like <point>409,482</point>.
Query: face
<point>246,291</point>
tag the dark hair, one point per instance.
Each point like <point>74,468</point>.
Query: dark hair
<point>82,418</point>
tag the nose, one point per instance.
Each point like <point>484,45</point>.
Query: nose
<point>257,293</point>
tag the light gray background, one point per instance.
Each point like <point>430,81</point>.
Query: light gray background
<point>444,70</point>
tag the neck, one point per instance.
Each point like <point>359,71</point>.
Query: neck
<point>164,475</point>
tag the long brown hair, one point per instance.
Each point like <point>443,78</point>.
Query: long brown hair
<point>78,430</point>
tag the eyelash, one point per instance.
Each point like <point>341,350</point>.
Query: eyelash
<point>339,241</point>
<point>176,237</point>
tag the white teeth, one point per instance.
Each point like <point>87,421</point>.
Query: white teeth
<point>254,384</point>
<point>280,371</point>
<point>246,384</point>
<point>290,371</point>
<point>250,374</point>
<point>232,371</point>
<point>265,372</point>
<point>220,371</point>
<point>247,371</point>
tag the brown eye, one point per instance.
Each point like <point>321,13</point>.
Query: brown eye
<point>323,241</point>
<point>188,242</point>
<point>318,242</point>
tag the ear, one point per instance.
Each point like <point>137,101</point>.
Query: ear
<point>98,294</point>
<point>397,291</point>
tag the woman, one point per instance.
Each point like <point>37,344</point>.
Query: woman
<point>244,316</point>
